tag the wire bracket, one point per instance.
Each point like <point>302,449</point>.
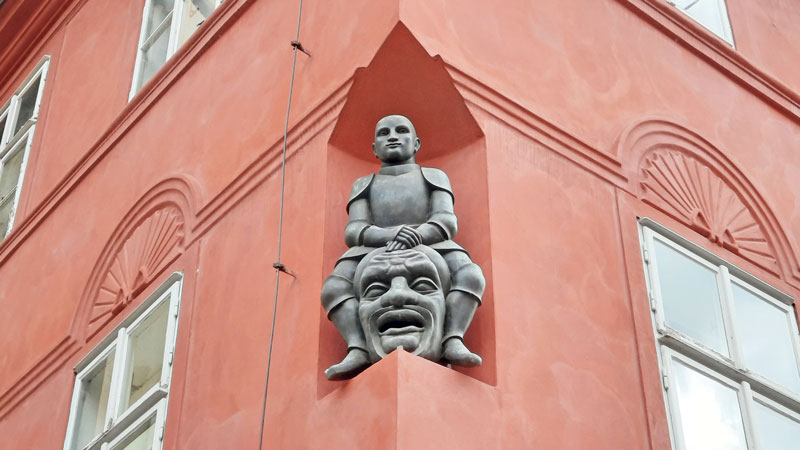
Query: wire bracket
<point>281,268</point>
<point>299,46</point>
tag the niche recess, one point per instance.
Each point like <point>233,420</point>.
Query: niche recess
<point>403,79</point>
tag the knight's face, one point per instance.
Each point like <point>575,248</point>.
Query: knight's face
<point>396,140</point>
<point>402,304</point>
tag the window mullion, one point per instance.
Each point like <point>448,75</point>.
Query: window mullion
<point>11,119</point>
<point>750,432</point>
<point>174,31</point>
<point>654,287</point>
<point>117,378</point>
<point>728,317</point>
<point>671,399</point>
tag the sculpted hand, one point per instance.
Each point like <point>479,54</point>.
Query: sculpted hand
<point>405,238</point>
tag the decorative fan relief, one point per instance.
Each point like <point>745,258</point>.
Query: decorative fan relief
<point>151,245</point>
<point>691,192</point>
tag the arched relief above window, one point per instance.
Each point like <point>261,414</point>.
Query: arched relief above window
<point>154,233</point>
<point>678,172</point>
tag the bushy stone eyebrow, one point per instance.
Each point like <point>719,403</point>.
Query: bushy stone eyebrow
<point>405,264</point>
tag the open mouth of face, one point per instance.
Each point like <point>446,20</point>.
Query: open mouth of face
<point>400,321</point>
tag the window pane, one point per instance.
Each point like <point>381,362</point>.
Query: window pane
<point>6,209</point>
<point>93,402</point>
<point>194,13</point>
<point>691,299</point>
<point>766,339</point>
<point>146,354</point>
<point>709,13</point>
<point>27,104</point>
<point>9,173</point>
<point>141,439</point>
<point>710,415</point>
<point>159,10</point>
<point>775,431</point>
<point>154,57</point>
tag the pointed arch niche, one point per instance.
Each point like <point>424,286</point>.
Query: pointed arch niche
<point>681,174</point>
<point>403,78</point>
<point>153,233</point>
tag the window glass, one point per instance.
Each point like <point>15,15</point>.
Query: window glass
<point>6,208</point>
<point>691,299</point>
<point>710,414</point>
<point>146,354</point>
<point>9,173</point>
<point>140,439</point>
<point>94,401</point>
<point>167,25</point>
<point>27,104</point>
<point>707,13</point>
<point>765,338</point>
<point>712,14</point>
<point>155,56</point>
<point>194,13</point>
<point>775,430</point>
<point>159,10</point>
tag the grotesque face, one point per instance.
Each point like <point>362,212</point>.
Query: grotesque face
<point>396,140</point>
<point>402,302</point>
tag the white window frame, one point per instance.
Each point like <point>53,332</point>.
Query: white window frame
<point>10,142</point>
<point>144,44</point>
<point>730,371</point>
<point>118,423</point>
<point>722,9</point>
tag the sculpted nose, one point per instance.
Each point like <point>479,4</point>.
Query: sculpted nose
<point>399,294</point>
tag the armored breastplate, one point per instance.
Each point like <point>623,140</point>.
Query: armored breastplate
<point>399,199</point>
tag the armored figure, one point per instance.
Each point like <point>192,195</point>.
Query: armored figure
<point>400,216</point>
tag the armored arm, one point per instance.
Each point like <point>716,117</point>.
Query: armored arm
<point>361,231</point>
<point>442,223</point>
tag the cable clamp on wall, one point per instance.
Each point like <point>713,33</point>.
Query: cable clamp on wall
<point>281,268</point>
<point>299,46</point>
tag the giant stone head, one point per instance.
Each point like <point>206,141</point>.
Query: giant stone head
<point>402,301</point>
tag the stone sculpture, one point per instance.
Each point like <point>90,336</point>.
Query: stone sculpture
<point>403,283</point>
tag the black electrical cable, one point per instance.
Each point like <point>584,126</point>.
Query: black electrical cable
<point>278,265</point>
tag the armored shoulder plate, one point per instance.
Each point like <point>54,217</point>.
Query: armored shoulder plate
<point>360,189</point>
<point>438,179</point>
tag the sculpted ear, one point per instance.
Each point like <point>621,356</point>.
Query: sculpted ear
<point>373,150</point>
<point>417,145</point>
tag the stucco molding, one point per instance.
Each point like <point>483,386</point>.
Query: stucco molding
<point>25,26</point>
<point>680,173</point>
<point>555,138</point>
<point>37,374</point>
<point>220,21</point>
<point>718,53</point>
<point>319,118</point>
<point>151,235</point>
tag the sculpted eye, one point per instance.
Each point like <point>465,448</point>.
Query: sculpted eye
<point>402,129</point>
<point>375,290</point>
<point>424,285</point>
<point>383,132</point>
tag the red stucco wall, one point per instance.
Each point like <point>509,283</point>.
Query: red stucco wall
<point>524,104</point>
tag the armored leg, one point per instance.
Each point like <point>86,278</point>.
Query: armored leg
<point>463,299</point>
<point>338,299</point>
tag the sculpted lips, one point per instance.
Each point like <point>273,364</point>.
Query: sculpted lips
<point>400,321</point>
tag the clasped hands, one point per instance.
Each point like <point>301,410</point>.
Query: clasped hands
<point>406,237</point>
